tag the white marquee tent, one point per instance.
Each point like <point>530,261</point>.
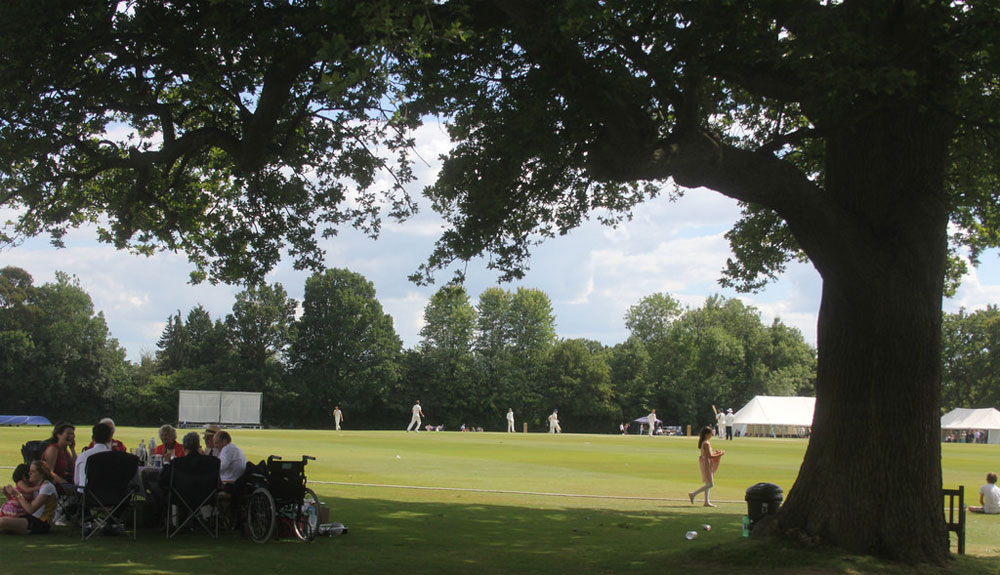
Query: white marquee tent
<point>963,419</point>
<point>769,415</point>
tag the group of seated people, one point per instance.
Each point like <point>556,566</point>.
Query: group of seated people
<point>31,501</point>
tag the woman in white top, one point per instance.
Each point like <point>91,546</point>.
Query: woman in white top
<point>38,511</point>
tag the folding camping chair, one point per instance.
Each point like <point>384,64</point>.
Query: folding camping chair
<point>194,492</point>
<point>109,490</point>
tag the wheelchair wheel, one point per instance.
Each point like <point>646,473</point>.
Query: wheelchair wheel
<point>306,521</point>
<point>260,515</point>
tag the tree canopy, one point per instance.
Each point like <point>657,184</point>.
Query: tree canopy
<point>230,130</point>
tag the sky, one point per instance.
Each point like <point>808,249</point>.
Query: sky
<point>592,275</point>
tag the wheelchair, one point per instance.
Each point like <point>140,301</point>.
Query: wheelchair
<point>279,504</point>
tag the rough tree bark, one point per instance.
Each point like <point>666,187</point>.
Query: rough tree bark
<point>871,478</point>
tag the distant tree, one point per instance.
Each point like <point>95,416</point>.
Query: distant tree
<point>346,349</point>
<point>533,335</point>
<point>630,377</point>
<point>971,358</point>
<point>206,341</point>
<point>493,344</point>
<point>515,334</point>
<point>446,344</point>
<point>146,397</point>
<point>57,352</point>
<point>790,362</point>
<point>578,384</point>
<point>261,329</point>
<point>651,318</point>
<point>172,347</point>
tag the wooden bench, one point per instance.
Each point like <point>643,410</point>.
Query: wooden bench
<point>958,526</point>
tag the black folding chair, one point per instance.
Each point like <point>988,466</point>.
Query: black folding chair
<point>194,491</point>
<point>109,491</point>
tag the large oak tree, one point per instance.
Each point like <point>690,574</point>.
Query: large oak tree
<point>852,132</point>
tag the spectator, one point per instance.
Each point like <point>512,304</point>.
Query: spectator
<point>168,447</point>
<point>115,444</point>
<point>193,461</point>
<point>989,496</point>
<point>210,432</point>
<point>232,462</point>
<point>60,456</point>
<point>101,441</point>
<point>38,511</point>
<point>11,508</point>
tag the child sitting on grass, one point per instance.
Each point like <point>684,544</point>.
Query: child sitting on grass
<point>11,508</point>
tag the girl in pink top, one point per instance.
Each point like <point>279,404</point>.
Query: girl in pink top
<point>11,508</point>
<point>708,462</point>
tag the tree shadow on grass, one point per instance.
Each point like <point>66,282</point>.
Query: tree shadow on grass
<point>455,536</point>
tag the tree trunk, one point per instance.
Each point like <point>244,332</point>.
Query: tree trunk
<point>871,478</point>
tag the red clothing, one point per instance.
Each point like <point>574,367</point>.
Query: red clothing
<point>64,466</point>
<point>178,450</point>
<point>115,446</point>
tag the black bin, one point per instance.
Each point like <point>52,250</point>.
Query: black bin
<point>763,499</point>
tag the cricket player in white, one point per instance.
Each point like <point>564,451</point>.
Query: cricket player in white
<point>510,420</point>
<point>554,422</point>
<point>415,420</point>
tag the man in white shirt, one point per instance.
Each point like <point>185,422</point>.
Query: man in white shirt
<point>338,416</point>
<point>510,420</point>
<point>232,462</point>
<point>730,420</point>
<point>415,420</point>
<point>989,496</point>
<point>651,422</point>
<point>101,434</point>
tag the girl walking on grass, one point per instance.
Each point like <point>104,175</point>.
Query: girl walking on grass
<point>708,462</point>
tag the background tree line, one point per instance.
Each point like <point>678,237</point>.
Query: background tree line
<point>474,360</point>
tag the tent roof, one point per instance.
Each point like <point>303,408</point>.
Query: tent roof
<point>963,418</point>
<point>773,410</point>
<point>645,419</point>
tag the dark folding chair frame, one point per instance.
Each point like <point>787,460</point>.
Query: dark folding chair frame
<point>109,489</point>
<point>191,493</point>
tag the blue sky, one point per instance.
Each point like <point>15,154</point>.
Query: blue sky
<point>592,275</point>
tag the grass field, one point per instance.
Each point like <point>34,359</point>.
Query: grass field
<point>475,503</point>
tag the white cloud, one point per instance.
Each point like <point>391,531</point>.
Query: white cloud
<point>974,293</point>
<point>407,314</point>
<point>592,275</point>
